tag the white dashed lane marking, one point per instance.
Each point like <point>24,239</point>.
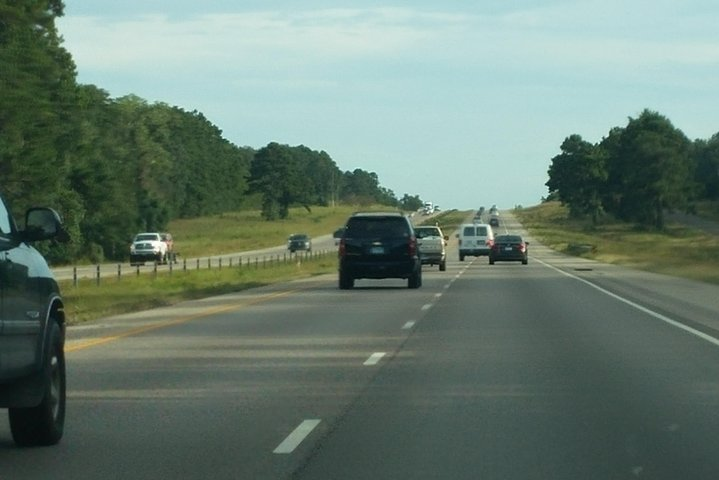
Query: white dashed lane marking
<point>293,440</point>
<point>374,359</point>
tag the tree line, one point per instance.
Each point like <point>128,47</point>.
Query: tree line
<point>635,173</point>
<point>116,166</point>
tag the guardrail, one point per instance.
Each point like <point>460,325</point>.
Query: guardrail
<point>97,272</point>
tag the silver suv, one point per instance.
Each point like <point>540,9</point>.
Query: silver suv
<point>32,330</point>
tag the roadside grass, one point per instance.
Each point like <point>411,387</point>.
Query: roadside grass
<point>677,250</point>
<point>88,301</point>
<point>247,230</point>
<point>448,221</point>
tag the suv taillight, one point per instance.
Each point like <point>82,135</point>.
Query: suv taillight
<point>342,248</point>
<point>412,246</point>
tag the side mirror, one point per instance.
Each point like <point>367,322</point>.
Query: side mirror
<point>43,224</point>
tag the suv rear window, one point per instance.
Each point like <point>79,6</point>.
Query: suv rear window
<point>368,227</point>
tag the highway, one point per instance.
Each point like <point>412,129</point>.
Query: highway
<point>560,369</point>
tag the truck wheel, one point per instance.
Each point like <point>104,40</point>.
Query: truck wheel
<point>461,257</point>
<point>443,265</point>
<point>346,282</point>
<point>415,280</point>
<point>44,423</point>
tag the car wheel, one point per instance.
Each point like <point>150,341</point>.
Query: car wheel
<point>461,257</point>
<point>491,261</point>
<point>525,261</point>
<point>44,423</point>
<point>415,280</point>
<point>346,282</point>
<point>443,266</point>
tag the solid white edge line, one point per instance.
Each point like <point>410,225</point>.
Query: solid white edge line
<point>374,359</point>
<point>293,440</point>
<point>649,312</point>
<point>408,325</point>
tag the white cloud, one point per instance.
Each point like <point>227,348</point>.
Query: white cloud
<point>594,34</point>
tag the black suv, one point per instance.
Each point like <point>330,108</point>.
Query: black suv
<point>379,245</point>
<point>32,330</point>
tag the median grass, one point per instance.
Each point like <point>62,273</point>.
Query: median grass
<point>88,301</point>
<point>677,250</point>
<point>247,230</point>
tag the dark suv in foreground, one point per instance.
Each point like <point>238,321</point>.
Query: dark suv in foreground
<point>379,245</point>
<point>32,330</point>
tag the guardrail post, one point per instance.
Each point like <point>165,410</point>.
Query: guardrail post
<point>154,270</point>
<point>74,276</point>
<point>184,264</point>
<point>97,274</point>
<point>209,263</point>
<point>170,268</point>
<point>220,263</point>
<point>230,263</point>
<point>119,271</point>
<point>198,263</point>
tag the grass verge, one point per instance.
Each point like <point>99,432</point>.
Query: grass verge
<point>677,250</point>
<point>88,301</point>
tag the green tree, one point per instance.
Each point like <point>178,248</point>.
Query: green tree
<point>410,202</point>
<point>578,175</point>
<point>652,169</point>
<point>707,173</point>
<point>271,175</point>
<point>37,99</point>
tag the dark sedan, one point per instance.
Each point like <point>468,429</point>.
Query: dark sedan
<point>509,248</point>
<point>299,242</point>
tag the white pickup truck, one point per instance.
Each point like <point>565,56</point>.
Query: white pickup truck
<point>432,245</point>
<point>151,247</point>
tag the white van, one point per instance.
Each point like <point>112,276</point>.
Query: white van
<point>474,239</point>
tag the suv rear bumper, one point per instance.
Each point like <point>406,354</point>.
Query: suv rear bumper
<point>379,270</point>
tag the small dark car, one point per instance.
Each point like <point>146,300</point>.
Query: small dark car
<point>379,245</point>
<point>299,242</point>
<point>32,330</point>
<point>509,248</point>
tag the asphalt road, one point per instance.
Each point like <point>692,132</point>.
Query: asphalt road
<point>559,369</point>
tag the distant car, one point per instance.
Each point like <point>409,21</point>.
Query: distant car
<point>509,248</point>
<point>299,242</point>
<point>474,239</point>
<point>151,247</point>
<point>494,220</point>
<point>379,245</point>
<point>432,242</point>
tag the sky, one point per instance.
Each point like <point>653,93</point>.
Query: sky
<point>463,103</point>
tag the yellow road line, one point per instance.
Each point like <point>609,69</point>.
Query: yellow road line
<point>168,323</point>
